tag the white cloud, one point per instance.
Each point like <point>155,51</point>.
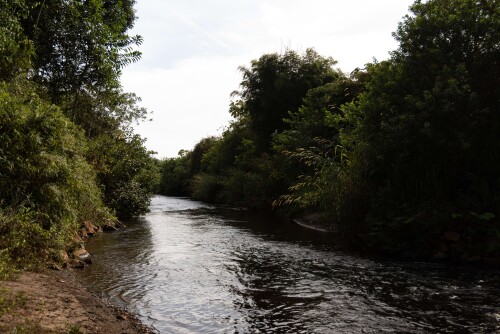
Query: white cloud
<point>192,50</point>
<point>186,103</point>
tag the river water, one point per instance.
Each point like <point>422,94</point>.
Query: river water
<point>188,267</point>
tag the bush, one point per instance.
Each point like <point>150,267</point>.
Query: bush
<point>205,187</point>
<point>126,172</point>
<point>175,177</point>
<point>25,242</point>
<point>46,186</point>
<point>43,166</point>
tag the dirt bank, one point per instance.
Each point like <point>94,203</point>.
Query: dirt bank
<point>54,302</point>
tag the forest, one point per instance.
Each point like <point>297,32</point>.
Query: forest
<point>399,157</point>
<point>68,152</point>
<point>332,202</point>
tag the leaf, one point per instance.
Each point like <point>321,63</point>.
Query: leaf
<point>487,216</point>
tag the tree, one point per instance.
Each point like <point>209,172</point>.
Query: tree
<point>313,118</point>
<point>16,49</point>
<point>80,48</point>
<point>429,113</point>
<point>175,177</point>
<point>126,171</point>
<point>196,156</point>
<point>65,135</point>
<point>80,45</point>
<point>426,142</point>
<point>275,85</point>
<point>311,152</point>
<point>47,188</point>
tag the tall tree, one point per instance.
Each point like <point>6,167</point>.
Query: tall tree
<point>16,49</point>
<point>275,85</point>
<point>427,142</point>
<point>432,109</point>
<point>80,45</point>
<point>80,49</point>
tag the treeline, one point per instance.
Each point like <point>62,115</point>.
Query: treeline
<point>68,154</point>
<point>403,156</point>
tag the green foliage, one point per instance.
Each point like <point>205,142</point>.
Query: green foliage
<point>16,49</point>
<point>400,155</point>
<point>196,156</point>
<point>319,108</point>
<point>43,160</point>
<point>46,185</point>
<point>26,242</point>
<point>237,167</point>
<point>126,172</point>
<point>129,199</point>
<point>222,154</point>
<point>104,113</point>
<point>80,51</point>
<point>74,329</point>
<point>426,133</point>
<point>206,187</point>
<point>175,177</point>
<point>6,268</point>
<point>312,149</point>
<point>250,188</point>
<point>429,129</point>
<point>275,85</point>
<point>80,46</point>
<point>65,136</point>
<point>10,301</point>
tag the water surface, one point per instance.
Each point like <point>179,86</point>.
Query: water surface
<point>188,267</point>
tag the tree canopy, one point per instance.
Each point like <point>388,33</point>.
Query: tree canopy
<point>398,154</point>
<point>68,152</point>
<point>275,85</point>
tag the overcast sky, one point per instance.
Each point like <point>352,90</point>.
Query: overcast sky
<point>192,50</point>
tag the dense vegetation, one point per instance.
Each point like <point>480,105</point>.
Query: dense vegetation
<point>403,156</point>
<point>68,154</point>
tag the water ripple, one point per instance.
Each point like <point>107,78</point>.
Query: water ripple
<point>188,267</point>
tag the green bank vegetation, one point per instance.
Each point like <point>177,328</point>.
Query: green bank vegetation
<point>403,156</point>
<point>68,154</point>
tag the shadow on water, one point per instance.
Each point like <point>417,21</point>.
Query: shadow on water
<point>188,267</point>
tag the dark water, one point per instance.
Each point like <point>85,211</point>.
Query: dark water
<point>191,268</point>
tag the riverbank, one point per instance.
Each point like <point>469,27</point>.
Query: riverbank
<point>315,221</point>
<point>53,302</point>
<point>450,247</point>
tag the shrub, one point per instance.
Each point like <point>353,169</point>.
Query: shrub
<point>46,186</point>
<point>205,187</point>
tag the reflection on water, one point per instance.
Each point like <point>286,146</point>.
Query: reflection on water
<point>188,267</point>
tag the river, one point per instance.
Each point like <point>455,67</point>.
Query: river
<point>189,267</point>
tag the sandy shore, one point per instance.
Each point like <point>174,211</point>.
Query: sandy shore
<point>54,302</point>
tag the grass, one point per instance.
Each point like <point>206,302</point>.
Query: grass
<point>74,329</point>
<point>8,302</point>
<point>29,327</point>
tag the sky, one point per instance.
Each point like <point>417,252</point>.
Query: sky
<point>192,50</point>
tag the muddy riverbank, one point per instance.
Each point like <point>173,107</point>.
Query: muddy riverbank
<point>55,302</point>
